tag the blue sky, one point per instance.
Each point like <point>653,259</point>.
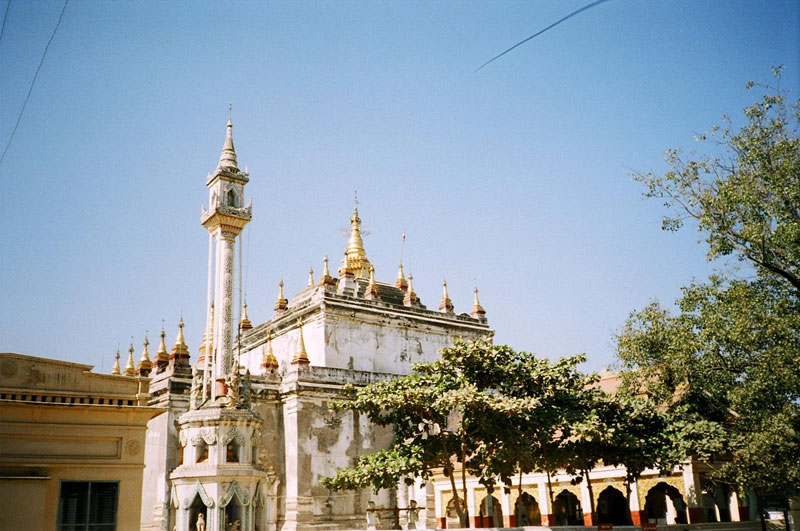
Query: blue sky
<point>516,178</point>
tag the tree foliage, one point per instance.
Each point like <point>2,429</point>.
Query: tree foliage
<point>727,363</point>
<point>493,413</point>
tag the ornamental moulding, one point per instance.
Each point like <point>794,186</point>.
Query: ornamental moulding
<point>228,496</point>
<point>198,490</point>
<point>232,434</point>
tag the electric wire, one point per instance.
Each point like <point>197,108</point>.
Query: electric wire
<point>5,16</point>
<point>33,81</point>
<point>554,24</point>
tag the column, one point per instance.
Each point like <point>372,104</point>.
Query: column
<point>227,245</point>
<point>509,518</point>
<point>638,516</point>
<point>473,511</point>
<point>586,503</point>
<point>544,505</point>
<point>439,509</point>
<point>694,497</point>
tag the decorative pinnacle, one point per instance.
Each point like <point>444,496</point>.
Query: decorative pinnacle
<point>281,303</point>
<point>410,298</point>
<point>129,368</point>
<point>270,361</point>
<point>300,355</point>
<point>401,279</point>
<point>355,258</point>
<point>145,353</point>
<point>245,324</point>
<point>115,370</point>
<point>180,350</point>
<point>310,276</point>
<point>477,310</point>
<point>227,159</point>
<point>445,305</point>
<point>161,355</point>
<point>372,292</point>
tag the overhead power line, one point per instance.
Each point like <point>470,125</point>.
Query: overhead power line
<point>33,81</point>
<point>554,24</point>
<point>5,16</point>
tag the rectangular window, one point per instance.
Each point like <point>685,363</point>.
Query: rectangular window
<point>88,506</point>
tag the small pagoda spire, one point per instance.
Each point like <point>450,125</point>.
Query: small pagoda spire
<point>401,279</point>
<point>180,351</point>
<point>445,305</point>
<point>372,288</point>
<point>162,357</point>
<point>410,298</point>
<point>245,324</point>
<point>115,370</point>
<point>327,279</point>
<point>310,276</point>
<point>355,259</point>
<point>300,355</point>
<point>145,365</point>
<point>130,370</point>
<point>227,159</point>
<point>477,310</point>
<point>281,304</point>
<point>270,362</point>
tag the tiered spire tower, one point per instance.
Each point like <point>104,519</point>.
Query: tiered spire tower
<point>224,220</point>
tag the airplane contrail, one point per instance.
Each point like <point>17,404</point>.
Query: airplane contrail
<point>554,24</point>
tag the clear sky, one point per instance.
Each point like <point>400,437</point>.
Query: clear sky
<point>516,178</point>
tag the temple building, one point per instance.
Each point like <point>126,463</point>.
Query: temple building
<point>247,434</point>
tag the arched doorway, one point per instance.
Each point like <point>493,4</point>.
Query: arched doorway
<point>491,513</point>
<point>664,505</point>
<point>567,509</point>
<point>451,514</point>
<point>612,507</point>
<point>197,512</point>
<point>526,511</point>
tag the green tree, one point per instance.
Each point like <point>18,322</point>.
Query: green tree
<point>485,409</point>
<point>726,365</point>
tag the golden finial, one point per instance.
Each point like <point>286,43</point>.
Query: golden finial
<point>130,370</point>
<point>477,310</point>
<point>401,279</point>
<point>115,370</point>
<point>245,324</point>
<point>270,361</point>
<point>281,303</point>
<point>445,305</point>
<point>162,357</point>
<point>355,258</point>
<point>410,298</point>
<point>143,369</point>
<point>145,352</point>
<point>372,292</point>
<point>300,355</point>
<point>310,276</point>
<point>180,350</point>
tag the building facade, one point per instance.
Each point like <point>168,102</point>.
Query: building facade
<point>247,434</point>
<point>71,445</point>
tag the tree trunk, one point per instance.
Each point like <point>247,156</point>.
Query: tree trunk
<point>591,496</point>
<point>628,500</point>
<point>550,493</point>
<point>465,521</point>
<point>456,497</point>
<point>519,497</point>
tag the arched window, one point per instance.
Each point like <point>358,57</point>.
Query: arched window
<point>201,452</point>
<point>254,453</point>
<point>232,199</point>
<point>180,454</point>
<point>232,453</point>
